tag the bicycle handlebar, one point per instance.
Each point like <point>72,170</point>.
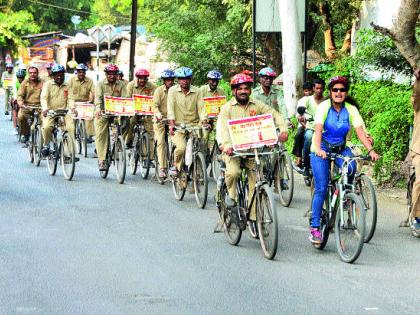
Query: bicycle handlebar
<point>348,158</point>
<point>58,112</point>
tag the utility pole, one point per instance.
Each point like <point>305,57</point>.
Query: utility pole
<point>133,37</point>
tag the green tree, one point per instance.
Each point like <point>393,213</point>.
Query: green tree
<point>13,25</point>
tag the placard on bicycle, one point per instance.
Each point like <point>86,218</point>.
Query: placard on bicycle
<point>252,132</point>
<point>85,110</point>
<point>143,105</point>
<point>119,106</point>
<point>213,105</point>
<point>7,83</point>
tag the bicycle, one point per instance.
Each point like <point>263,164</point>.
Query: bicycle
<point>344,211</point>
<point>140,154</point>
<point>278,170</point>
<point>366,190</point>
<point>235,220</point>
<point>194,168</point>
<point>410,220</point>
<point>9,101</point>
<point>81,136</point>
<point>214,160</point>
<point>63,147</point>
<point>116,152</point>
<point>35,138</point>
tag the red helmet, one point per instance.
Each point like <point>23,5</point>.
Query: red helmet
<point>339,80</point>
<point>142,73</point>
<point>111,68</point>
<point>240,78</point>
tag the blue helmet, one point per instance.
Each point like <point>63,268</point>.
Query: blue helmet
<point>267,71</point>
<point>167,74</point>
<point>81,66</point>
<point>21,73</point>
<point>9,65</point>
<point>214,74</point>
<point>183,72</point>
<point>57,68</point>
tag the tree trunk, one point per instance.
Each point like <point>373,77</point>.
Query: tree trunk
<point>345,49</point>
<point>271,44</point>
<point>292,54</point>
<point>403,32</point>
<point>330,48</point>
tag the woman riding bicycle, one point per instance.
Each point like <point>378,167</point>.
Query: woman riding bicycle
<point>333,120</point>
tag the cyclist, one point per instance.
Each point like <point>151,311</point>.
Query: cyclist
<point>270,94</point>
<point>184,107</point>
<point>299,137</point>
<point>20,76</point>
<point>241,106</point>
<point>415,152</point>
<point>212,87</point>
<point>333,120</point>
<point>110,86</point>
<point>81,89</point>
<point>310,103</point>
<point>7,76</point>
<point>49,75</point>
<point>160,108</point>
<point>29,94</point>
<point>121,77</point>
<point>140,86</point>
<point>54,96</point>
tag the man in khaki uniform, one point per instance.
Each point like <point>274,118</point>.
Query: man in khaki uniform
<point>121,77</point>
<point>160,108</point>
<point>212,89</point>
<point>110,86</point>
<point>54,96</point>
<point>140,86</point>
<point>29,94</point>
<point>241,106</point>
<point>81,89</point>
<point>184,107</point>
<point>415,152</point>
<point>48,76</point>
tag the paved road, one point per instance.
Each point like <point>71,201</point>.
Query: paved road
<point>92,246</point>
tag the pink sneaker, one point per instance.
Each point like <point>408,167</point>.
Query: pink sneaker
<point>315,237</point>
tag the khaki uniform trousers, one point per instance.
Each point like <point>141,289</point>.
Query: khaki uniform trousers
<point>23,115</point>
<point>233,173</point>
<point>159,135</point>
<point>128,133</point>
<point>101,136</point>
<point>415,212</point>
<point>7,93</point>
<point>90,128</point>
<point>48,125</point>
<point>179,139</point>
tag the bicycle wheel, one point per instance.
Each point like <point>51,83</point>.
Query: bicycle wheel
<point>30,150</point>
<point>215,165</point>
<point>325,224</point>
<point>267,221</point>
<point>144,155</point>
<point>78,136</point>
<point>200,180</point>
<point>67,156</point>
<point>119,159</point>
<point>366,191</point>
<point>37,144</point>
<point>232,231</point>
<point>53,156</point>
<point>104,173</point>
<point>350,228</point>
<point>284,178</point>
<point>83,138</point>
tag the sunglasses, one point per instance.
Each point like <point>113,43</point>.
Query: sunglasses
<point>335,90</point>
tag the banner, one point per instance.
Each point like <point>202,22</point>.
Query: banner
<point>143,104</point>
<point>119,106</point>
<point>7,83</point>
<point>84,110</point>
<point>252,132</point>
<point>213,104</point>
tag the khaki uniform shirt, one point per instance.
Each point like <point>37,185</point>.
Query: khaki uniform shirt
<point>185,109</point>
<point>133,88</point>
<point>274,99</point>
<point>207,92</point>
<point>104,88</point>
<point>124,81</point>
<point>233,110</point>
<point>54,96</point>
<point>160,101</point>
<point>6,75</point>
<point>415,99</point>
<point>30,94</point>
<point>46,77</point>
<point>81,91</point>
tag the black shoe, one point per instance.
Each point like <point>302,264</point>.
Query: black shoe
<point>283,184</point>
<point>76,159</point>
<point>90,139</point>
<point>128,145</point>
<point>45,151</point>
<point>6,113</point>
